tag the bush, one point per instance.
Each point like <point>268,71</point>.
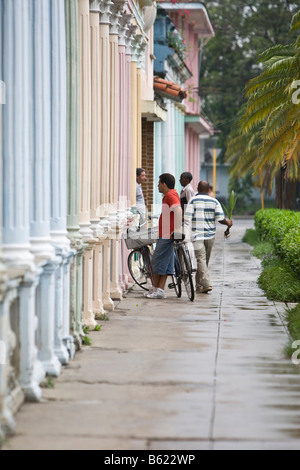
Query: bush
<point>279,282</point>
<point>281,228</point>
<point>261,248</point>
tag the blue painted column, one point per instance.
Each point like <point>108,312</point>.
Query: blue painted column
<point>58,195</point>
<point>40,131</point>
<point>41,175</point>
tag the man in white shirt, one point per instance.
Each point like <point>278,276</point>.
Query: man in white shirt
<point>188,192</point>
<point>140,200</point>
<point>200,219</point>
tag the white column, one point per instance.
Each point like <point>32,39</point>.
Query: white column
<point>15,149</point>
<point>115,291</point>
<point>11,396</point>
<point>88,313</point>
<point>105,16</point>
<point>47,329</point>
<point>17,59</point>
<point>67,336</point>
<point>32,372</point>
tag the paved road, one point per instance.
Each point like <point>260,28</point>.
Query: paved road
<point>176,375</point>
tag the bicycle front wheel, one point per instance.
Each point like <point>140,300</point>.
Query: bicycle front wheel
<point>187,274</point>
<point>139,265</point>
<point>177,279</point>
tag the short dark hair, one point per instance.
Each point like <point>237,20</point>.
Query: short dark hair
<point>167,179</point>
<point>140,171</point>
<point>187,175</point>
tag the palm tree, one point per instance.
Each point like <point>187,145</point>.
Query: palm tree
<point>267,138</point>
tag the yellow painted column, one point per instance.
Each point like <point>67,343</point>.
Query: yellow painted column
<point>139,118</point>
<point>215,171</point>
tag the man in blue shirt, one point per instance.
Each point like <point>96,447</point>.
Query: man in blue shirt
<point>201,216</point>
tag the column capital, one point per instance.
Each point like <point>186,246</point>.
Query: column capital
<point>124,23</point>
<point>117,11</point>
<point>141,49</point>
<point>105,11</point>
<point>138,47</point>
<point>130,37</point>
<point>95,6</point>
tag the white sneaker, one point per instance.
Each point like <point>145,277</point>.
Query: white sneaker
<point>150,291</point>
<point>157,294</point>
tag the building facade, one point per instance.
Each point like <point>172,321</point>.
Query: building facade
<point>180,32</point>
<point>76,76</point>
<point>81,109</point>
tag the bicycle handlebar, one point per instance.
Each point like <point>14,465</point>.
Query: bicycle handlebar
<point>178,236</point>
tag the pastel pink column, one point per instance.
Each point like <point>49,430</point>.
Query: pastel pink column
<point>123,196</point>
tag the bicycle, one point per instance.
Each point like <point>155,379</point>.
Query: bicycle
<point>139,259</point>
<point>183,271</point>
<point>139,265</point>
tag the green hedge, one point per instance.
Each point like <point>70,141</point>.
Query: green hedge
<point>281,228</point>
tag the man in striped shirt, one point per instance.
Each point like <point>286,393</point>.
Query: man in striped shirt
<point>200,219</point>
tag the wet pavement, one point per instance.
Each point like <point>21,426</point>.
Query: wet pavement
<point>175,375</point>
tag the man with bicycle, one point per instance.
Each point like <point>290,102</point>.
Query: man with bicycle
<point>170,222</point>
<point>200,219</point>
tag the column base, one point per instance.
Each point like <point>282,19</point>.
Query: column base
<point>77,341</point>
<point>33,392</point>
<point>52,367</point>
<point>70,346</point>
<point>7,424</point>
<point>62,355</point>
<point>98,312</point>
<point>116,293</point>
<point>90,322</point>
<point>108,304</point>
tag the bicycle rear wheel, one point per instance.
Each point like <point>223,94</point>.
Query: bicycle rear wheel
<point>139,265</point>
<point>187,273</point>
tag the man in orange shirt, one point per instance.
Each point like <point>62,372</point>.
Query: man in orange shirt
<point>170,222</point>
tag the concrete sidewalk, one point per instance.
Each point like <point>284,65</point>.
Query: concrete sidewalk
<point>176,375</point>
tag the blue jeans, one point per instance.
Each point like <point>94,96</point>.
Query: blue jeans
<point>163,257</point>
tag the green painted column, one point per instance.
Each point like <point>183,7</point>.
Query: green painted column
<point>73,114</point>
<point>179,146</point>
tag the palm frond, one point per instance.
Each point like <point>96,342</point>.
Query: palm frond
<point>295,25</point>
